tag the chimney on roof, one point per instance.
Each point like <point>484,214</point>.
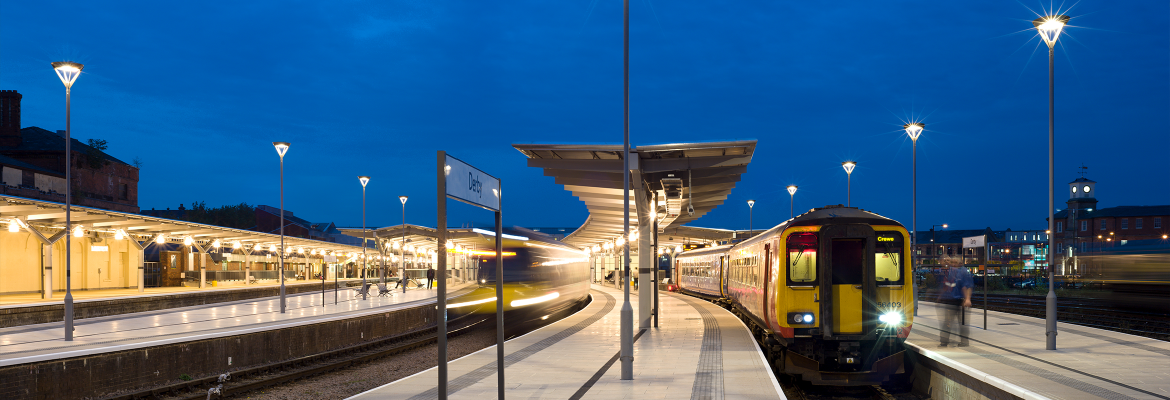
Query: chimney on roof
<point>10,118</point>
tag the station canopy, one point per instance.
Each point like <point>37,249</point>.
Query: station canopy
<point>673,184</point>
<point>48,218</point>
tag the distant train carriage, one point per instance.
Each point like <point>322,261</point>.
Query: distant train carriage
<point>826,292</point>
<point>701,271</point>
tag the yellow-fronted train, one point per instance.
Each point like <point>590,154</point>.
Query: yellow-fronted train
<point>828,293</point>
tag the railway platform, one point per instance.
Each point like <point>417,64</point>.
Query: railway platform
<point>34,299</point>
<point>43,342</point>
<point>699,350</point>
<point>1010,356</point>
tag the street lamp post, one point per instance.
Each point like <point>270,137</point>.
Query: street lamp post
<point>751,207</point>
<point>914,130</point>
<point>364,180</point>
<point>849,165</point>
<point>791,200</point>
<point>627,311</point>
<point>402,261</point>
<point>68,72</point>
<point>281,149</point>
<point>1049,28</point>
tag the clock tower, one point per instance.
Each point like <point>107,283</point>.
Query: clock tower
<point>1082,194</point>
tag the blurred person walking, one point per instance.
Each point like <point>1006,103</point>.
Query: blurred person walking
<point>955,296</point>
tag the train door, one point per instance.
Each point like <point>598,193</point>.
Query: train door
<point>847,278</point>
<point>722,271</point>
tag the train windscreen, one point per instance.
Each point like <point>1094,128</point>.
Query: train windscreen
<point>802,258</point>
<point>888,262</point>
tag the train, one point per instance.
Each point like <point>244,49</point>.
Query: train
<point>827,294</point>
<point>543,278</point>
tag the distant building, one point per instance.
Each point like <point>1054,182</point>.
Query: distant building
<point>268,221</point>
<point>945,248</point>
<point>33,165</point>
<point>1083,226</point>
<point>176,214</point>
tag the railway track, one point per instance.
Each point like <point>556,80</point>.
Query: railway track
<point>265,376</point>
<point>1080,311</point>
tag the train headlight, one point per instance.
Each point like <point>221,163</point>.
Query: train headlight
<point>891,318</point>
<point>801,318</point>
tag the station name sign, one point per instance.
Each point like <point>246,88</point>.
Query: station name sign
<point>470,185</point>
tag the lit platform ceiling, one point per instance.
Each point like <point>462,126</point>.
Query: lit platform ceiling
<point>688,179</point>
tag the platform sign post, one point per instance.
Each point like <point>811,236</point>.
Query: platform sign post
<point>461,181</point>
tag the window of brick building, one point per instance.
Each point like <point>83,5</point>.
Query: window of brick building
<point>1125,223</point>
<point>1137,223</point>
<point>1059,227</point>
<point>1102,224</point>
<point>1157,222</point>
<point>1084,226</point>
<point>124,192</point>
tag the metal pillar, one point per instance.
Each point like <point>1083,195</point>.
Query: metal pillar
<point>627,312</point>
<point>441,309</point>
<point>500,298</point>
<point>915,261</point>
<point>1050,300</point>
<point>68,224</point>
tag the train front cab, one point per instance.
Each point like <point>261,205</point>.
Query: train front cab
<point>847,306</point>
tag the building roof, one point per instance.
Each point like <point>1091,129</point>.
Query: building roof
<point>5,160</point>
<point>1083,179</point>
<point>1120,211</point>
<point>288,218</point>
<point>37,139</point>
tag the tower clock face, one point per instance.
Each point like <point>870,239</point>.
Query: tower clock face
<point>1087,189</point>
<point>1074,189</point>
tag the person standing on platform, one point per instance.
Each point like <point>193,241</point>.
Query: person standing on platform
<point>431,278</point>
<point>955,296</point>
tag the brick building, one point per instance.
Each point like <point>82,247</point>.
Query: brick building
<point>33,164</point>
<point>1083,226</point>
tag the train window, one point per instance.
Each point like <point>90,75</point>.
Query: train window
<point>802,258</point>
<point>848,261</point>
<point>888,259</point>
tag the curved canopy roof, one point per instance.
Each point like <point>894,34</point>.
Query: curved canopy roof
<point>688,180</point>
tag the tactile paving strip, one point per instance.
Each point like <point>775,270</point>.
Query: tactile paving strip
<point>709,375</point>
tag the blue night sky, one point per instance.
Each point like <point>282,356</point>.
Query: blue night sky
<point>199,90</point>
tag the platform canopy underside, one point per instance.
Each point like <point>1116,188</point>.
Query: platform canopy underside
<point>682,176</point>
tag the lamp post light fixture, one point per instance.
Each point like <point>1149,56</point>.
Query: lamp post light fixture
<point>914,130</point>
<point>68,72</point>
<point>849,166</point>
<point>402,263</point>
<point>281,149</point>
<point>1050,27</point>
<point>364,180</point>
<point>791,200</point>
<point>751,207</point>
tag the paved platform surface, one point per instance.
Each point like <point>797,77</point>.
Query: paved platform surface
<point>1089,363</point>
<point>699,351</point>
<point>34,299</point>
<point>32,343</point>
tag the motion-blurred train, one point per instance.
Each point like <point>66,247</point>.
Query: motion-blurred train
<point>543,278</point>
<point>1134,278</point>
<point>825,293</point>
